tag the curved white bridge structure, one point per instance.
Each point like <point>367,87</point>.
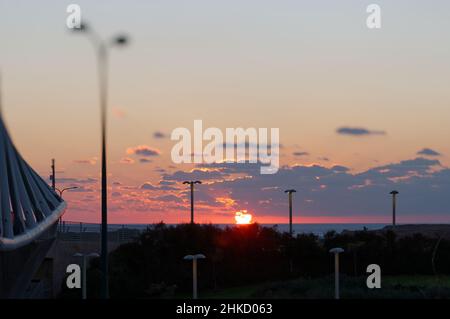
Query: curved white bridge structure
<point>28,205</point>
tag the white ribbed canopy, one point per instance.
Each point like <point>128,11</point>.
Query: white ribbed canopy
<point>28,205</point>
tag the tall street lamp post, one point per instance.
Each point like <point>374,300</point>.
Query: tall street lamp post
<point>101,48</point>
<point>290,192</point>
<point>191,184</point>
<point>394,194</point>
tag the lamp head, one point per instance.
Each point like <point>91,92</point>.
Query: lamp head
<point>336,250</point>
<point>290,191</point>
<point>121,40</point>
<point>194,257</point>
<point>393,192</point>
<point>83,28</point>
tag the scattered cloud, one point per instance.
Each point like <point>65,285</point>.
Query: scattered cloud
<point>118,113</point>
<point>334,191</point>
<point>168,198</point>
<point>159,135</point>
<point>126,160</point>
<point>67,180</point>
<point>148,186</point>
<point>81,189</point>
<point>300,153</point>
<point>144,160</point>
<point>167,183</point>
<point>161,187</point>
<point>358,131</point>
<point>143,150</point>
<point>428,152</point>
<point>91,161</point>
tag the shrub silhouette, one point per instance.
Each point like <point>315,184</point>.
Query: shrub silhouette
<point>153,264</point>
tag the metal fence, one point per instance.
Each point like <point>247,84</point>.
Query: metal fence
<point>78,231</point>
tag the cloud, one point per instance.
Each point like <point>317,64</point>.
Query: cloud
<point>358,131</point>
<point>159,135</point>
<point>118,113</point>
<point>67,180</point>
<point>144,160</point>
<point>80,189</point>
<point>148,186</point>
<point>143,150</point>
<point>428,152</point>
<point>250,146</point>
<point>126,160</point>
<point>300,153</point>
<point>195,174</point>
<point>168,198</point>
<point>424,185</point>
<point>161,187</point>
<point>167,182</point>
<point>91,161</point>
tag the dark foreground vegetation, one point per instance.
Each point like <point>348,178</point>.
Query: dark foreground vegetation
<point>153,265</point>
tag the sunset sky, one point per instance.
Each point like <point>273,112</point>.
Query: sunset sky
<point>310,68</point>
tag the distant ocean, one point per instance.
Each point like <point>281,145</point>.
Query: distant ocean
<point>316,229</point>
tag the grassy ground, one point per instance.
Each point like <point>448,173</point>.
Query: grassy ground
<point>398,287</point>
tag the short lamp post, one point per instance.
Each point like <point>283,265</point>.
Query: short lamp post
<point>84,257</point>
<point>194,259</point>
<point>336,252</point>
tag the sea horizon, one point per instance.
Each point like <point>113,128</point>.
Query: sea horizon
<point>298,228</point>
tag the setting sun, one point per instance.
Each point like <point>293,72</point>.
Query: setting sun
<point>242,218</point>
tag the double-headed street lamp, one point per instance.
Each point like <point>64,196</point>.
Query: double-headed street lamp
<point>101,48</point>
<point>394,194</point>
<point>194,259</point>
<point>191,184</point>
<point>84,270</point>
<point>290,192</point>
